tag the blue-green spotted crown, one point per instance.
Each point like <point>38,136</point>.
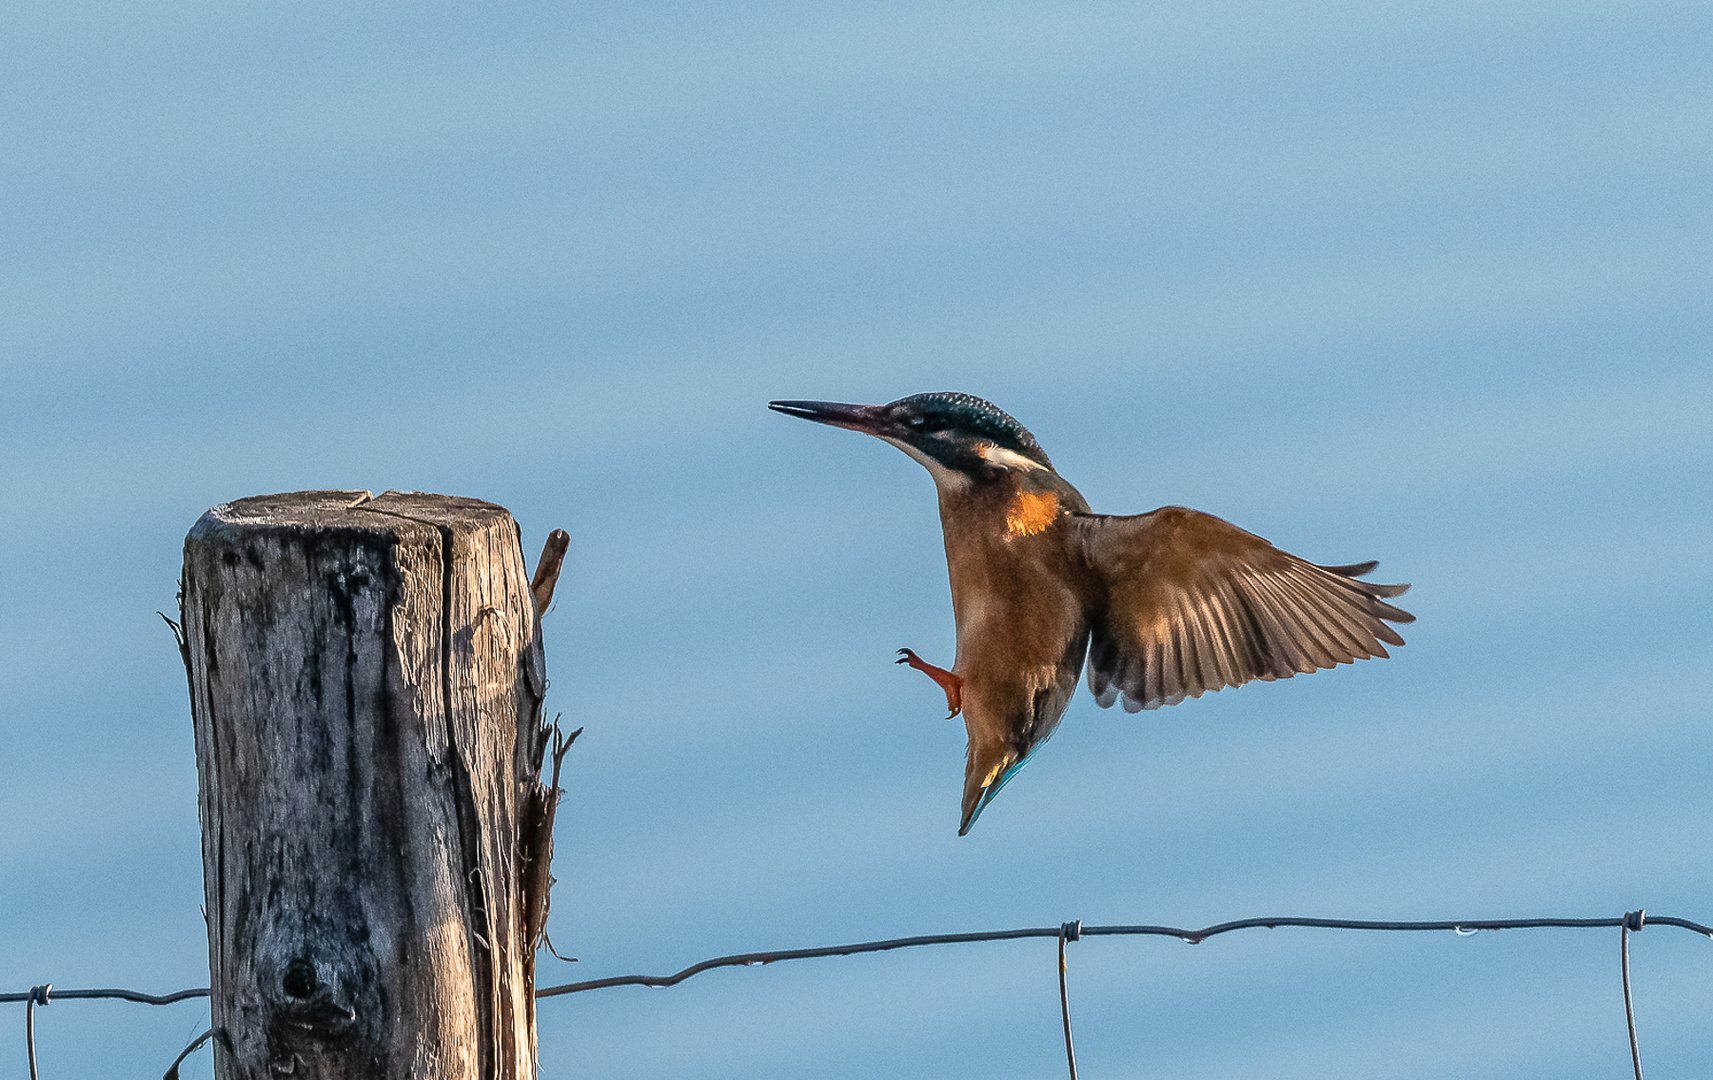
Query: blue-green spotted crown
<point>966,413</point>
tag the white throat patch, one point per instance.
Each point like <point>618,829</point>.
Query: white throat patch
<point>945,479</point>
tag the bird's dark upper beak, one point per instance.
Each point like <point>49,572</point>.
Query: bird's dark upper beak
<point>871,419</point>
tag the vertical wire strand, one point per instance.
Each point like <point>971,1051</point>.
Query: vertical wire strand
<point>172,1070</point>
<point>1068,932</point>
<point>1624,967</point>
<point>30,1026</point>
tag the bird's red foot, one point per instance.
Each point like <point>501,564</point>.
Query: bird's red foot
<point>951,684</point>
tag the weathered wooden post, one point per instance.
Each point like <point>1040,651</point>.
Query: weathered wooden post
<point>366,681</point>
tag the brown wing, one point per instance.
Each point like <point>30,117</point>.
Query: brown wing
<point>1188,603</point>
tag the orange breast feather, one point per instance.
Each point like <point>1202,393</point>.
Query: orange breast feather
<point>1031,512</point>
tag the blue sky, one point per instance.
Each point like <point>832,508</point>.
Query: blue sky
<point>1428,284</point>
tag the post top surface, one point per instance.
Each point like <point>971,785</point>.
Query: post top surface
<point>350,510</point>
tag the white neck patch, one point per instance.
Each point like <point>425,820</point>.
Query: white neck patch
<point>1008,459</point>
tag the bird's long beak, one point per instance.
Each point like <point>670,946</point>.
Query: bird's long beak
<point>865,418</point>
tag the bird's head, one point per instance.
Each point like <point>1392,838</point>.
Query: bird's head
<point>960,438</point>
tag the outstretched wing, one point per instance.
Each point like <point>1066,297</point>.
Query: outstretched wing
<point>1188,603</point>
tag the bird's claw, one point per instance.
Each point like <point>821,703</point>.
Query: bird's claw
<point>950,683</point>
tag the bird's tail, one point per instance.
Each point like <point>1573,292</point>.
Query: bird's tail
<point>978,795</point>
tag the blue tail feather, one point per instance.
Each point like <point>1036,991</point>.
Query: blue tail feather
<point>993,788</point>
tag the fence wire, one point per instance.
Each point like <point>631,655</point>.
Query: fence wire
<point>1066,932</point>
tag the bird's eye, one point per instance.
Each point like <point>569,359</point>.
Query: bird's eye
<point>918,422</point>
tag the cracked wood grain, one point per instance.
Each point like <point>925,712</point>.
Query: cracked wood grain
<point>366,682</point>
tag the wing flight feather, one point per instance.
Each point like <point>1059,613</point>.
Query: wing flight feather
<point>1186,603</point>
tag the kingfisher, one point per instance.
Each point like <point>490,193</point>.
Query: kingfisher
<point>1162,606</point>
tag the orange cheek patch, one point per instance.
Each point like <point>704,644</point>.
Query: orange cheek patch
<point>1031,513</point>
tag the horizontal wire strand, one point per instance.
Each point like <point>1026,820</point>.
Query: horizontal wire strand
<point>123,995</point>
<point>1194,937</point>
<point>759,958</point>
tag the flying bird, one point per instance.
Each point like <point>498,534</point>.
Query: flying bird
<point>1163,606</point>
